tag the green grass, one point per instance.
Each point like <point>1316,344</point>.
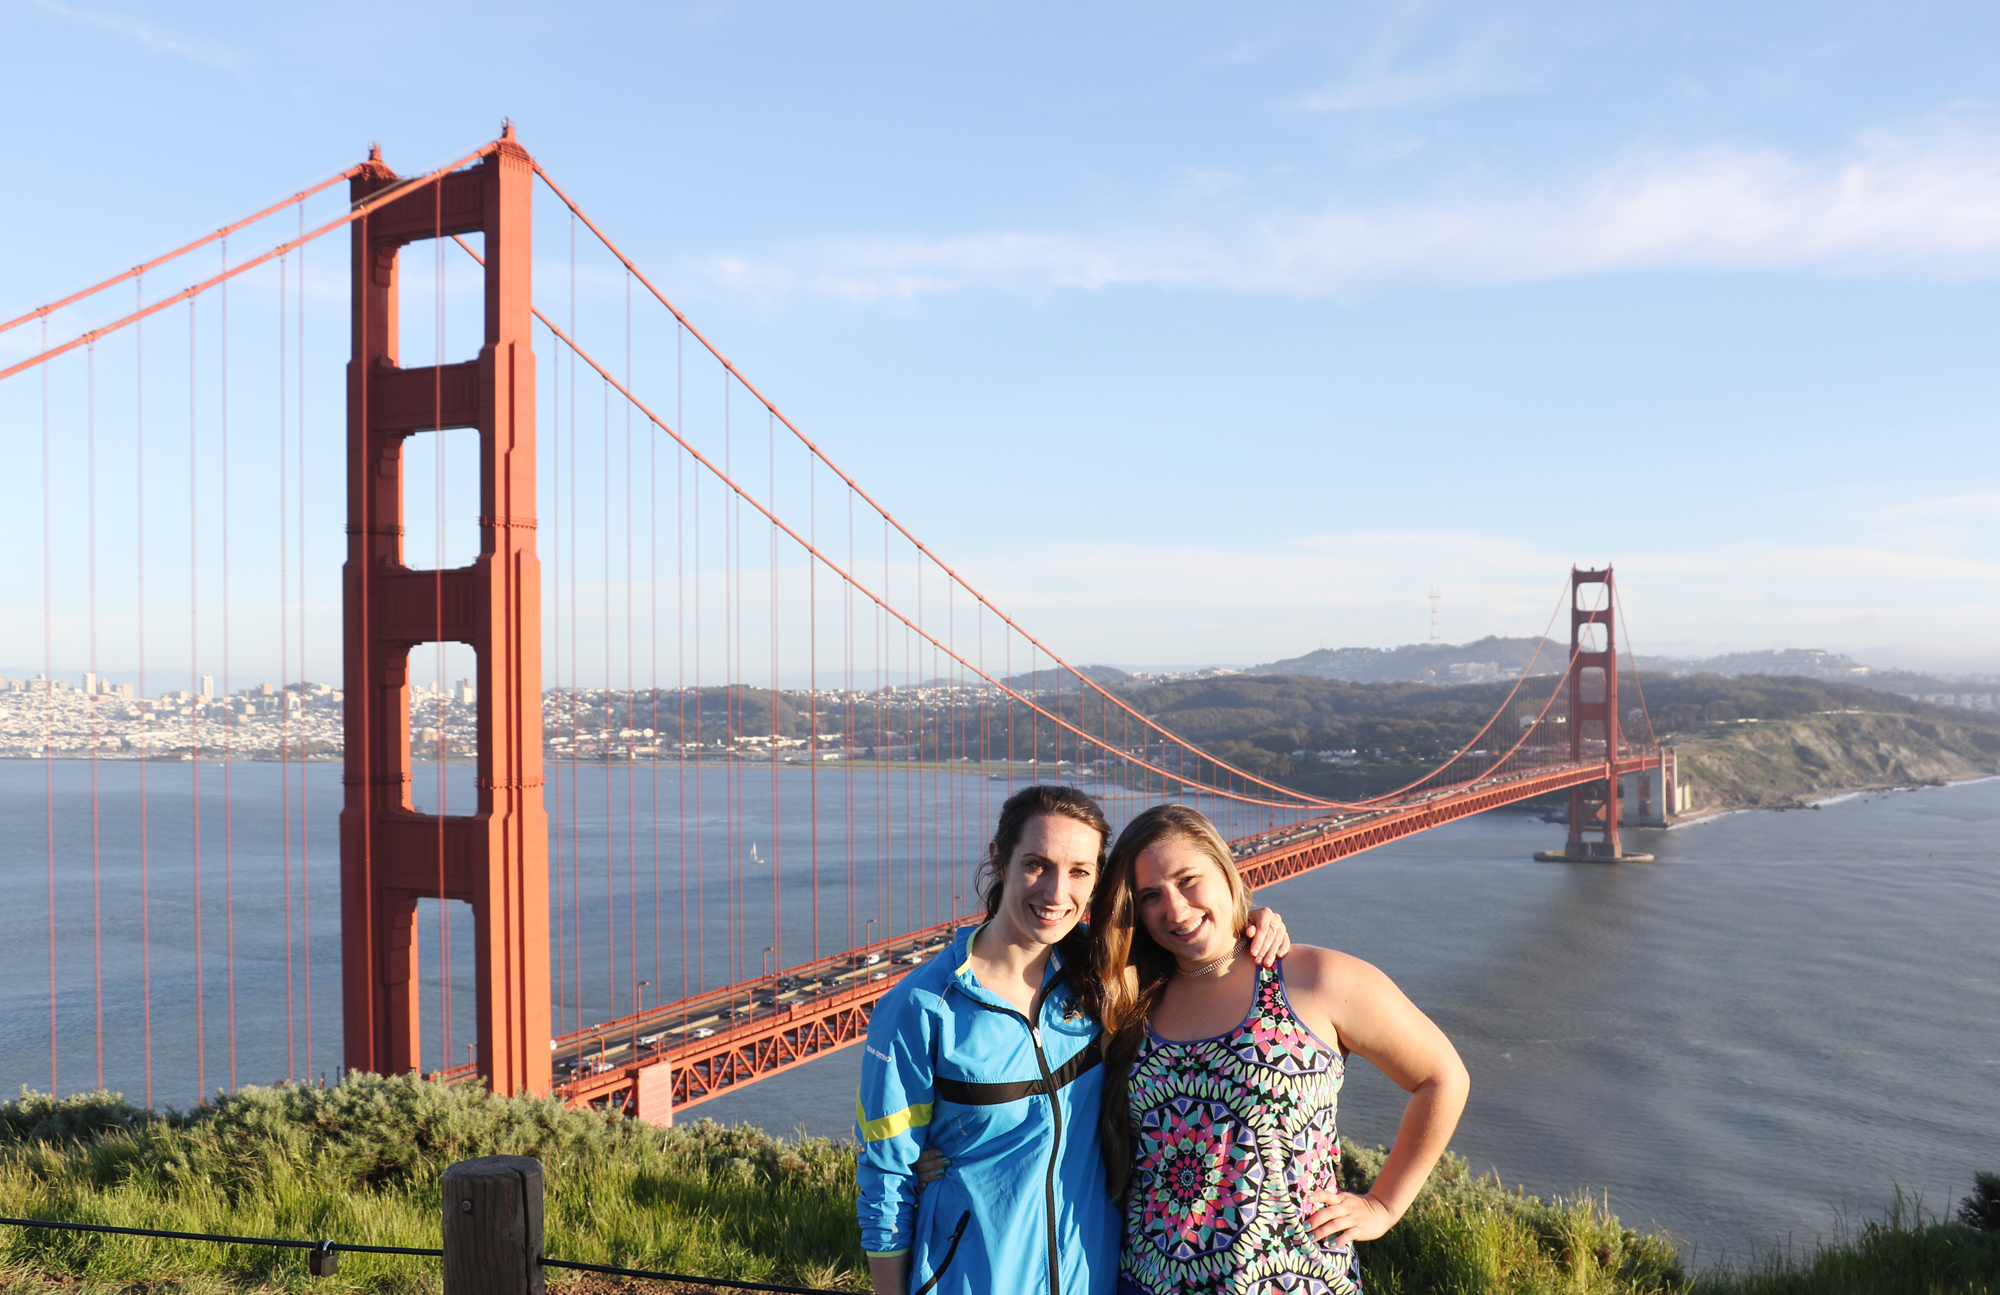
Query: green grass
<point>1469,1234</point>
<point>360,1163</point>
<point>1905,1253</point>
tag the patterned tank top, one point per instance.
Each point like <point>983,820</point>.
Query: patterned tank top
<point>1229,1134</point>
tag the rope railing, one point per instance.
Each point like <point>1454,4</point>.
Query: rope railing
<point>217,1238</point>
<point>330,1247</point>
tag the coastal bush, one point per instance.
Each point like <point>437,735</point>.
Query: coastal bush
<point>1981,1210</point>
<point>360,1162</point>
<point>38,1117</point>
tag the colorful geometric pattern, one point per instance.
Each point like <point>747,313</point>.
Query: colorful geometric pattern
<point>1229,1135</point>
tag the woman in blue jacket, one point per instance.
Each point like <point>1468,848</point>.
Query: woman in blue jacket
<point>984,1054</point>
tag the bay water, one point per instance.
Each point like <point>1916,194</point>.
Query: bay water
<point>1751,1042</point>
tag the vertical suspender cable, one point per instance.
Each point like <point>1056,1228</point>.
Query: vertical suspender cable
<point>604,732</point>
<point>575,676</point>
<point>284,657</point>
<point>229,716</point>
<point>700,736</point>
<point>777,819</point>
<point>847,719</point>
<point>573,700</point>
<point>96,825</point>
<point>729,688</point>
<point>631,790</point>
<point>195,708</point>
<point>919,772</point>
<point>653,649</point>
<point>139,567</point>
<point>49,706</point>
<point>305,747</point>
<point>680,664</point>
<point>812,690</point>
<point>556,657</point>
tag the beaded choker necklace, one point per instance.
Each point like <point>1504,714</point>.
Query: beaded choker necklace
<point>1208,967</point>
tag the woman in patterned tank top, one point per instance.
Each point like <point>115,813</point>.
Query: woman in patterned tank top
<point>1222,1079</point>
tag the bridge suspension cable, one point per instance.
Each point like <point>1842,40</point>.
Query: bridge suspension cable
<point>723,633</point>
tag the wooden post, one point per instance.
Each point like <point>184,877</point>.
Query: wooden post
<point>493,1226</point>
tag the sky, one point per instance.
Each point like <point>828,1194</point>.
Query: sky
<point>1216,334</point>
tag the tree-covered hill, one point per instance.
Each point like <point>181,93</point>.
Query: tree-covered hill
<point>1330,737</point>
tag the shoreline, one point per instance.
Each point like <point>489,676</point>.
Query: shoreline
<point>1709,815</point>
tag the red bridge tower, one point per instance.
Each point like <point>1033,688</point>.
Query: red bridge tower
<point>496,858</point>
<point>1593,722</point>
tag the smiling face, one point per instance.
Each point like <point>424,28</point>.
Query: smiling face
<point>1045,887</point>
<point>1184,901</point>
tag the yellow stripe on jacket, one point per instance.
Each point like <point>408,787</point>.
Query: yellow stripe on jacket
<point>910,1117</point>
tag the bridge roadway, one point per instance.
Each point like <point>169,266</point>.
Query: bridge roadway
<point>716,1042</point>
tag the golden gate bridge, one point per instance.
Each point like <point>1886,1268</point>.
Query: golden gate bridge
<point>734,749</point>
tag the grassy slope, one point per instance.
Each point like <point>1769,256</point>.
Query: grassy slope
<point>360,1163</point>
<point>1783,762</point>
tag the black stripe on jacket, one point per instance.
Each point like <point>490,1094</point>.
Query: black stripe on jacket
<point>968,1094</point>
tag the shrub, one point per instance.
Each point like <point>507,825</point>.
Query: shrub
<point>1981,1210</point>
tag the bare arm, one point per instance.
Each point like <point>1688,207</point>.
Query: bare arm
<point>1370,1017</point>
<point>890,1273</point>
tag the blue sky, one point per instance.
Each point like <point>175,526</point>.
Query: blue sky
<point>1218,333</point>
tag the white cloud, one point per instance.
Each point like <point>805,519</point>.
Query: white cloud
<point>1918,198</point>
<point>152,36</point>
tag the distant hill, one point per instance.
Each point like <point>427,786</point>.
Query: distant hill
<point>1423,662</point>
<point>1051,678</point>
<point>1343,739</point>
<point>1795,663</point>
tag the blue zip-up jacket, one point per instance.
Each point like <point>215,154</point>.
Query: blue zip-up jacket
<point>1023,1207</point>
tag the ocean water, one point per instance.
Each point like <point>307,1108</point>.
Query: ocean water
<point>1749,1043</point>
<point>1767,1032</point>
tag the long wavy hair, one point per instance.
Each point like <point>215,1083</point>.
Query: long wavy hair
<point>1131,969</point>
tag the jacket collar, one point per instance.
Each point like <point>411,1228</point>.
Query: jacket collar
<point>960,954</point>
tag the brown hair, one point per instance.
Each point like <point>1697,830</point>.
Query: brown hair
<point>1131,970</point>
<point>1043,800</point>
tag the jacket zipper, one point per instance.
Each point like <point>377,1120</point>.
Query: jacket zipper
<point>1055,1154</point>
<point>949,1254</point>
<point>1055,1146</point>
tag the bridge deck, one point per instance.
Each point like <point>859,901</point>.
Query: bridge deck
<point>721,1040</point>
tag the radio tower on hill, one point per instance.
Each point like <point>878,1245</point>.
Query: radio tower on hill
<point>1435,595</point>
